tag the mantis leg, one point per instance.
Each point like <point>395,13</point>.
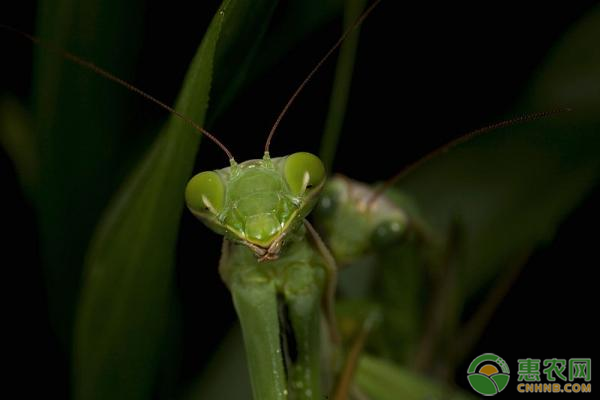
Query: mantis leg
<point>224,263</point>
<point>344,384</point>
<point>302,299</point>
<point>331,282</point>
<point>255,301</point>
<point>257,309</point>
<point>279,299</point>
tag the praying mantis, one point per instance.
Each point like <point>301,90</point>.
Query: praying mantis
<point>323,280</point>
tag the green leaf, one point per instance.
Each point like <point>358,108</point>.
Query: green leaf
<point>341,85</point>
<point>297,21</point>
<point>511,188</point>
<point>383,380</point>
<point>227,361</point>
<point>122,317</point>
<point>79,119</point>
<point>569,77</point>
<point>16,137</point>
<point>124,307</point>
<point>240,42</point>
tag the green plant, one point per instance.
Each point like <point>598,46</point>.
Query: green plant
<point>127,312</point>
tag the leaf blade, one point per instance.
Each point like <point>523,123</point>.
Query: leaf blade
<point>75,139</point>
<point>123,311</point>
<point>512,187</point>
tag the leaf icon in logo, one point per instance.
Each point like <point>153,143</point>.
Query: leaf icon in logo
<point>488,374</point>
<point>501,381</point>
<point>483,384</point>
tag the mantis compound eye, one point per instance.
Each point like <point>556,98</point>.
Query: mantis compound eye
<point>205,191</point>
<point>303,171</point>
<point>327,205</point>
<point>388,232</point>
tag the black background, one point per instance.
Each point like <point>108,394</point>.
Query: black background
<point>425,74</point>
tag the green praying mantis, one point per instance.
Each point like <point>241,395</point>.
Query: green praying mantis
<point>279,270</point>
<point>271,254</point>
<point>272,257</point>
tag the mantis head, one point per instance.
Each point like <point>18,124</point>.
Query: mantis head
<point>353,224</point>
<point>258,203</point>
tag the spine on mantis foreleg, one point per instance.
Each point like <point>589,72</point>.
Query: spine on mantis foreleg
<point>278,303</point>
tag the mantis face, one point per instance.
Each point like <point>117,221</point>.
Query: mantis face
<point>354,222</point>
<point>258,202</point>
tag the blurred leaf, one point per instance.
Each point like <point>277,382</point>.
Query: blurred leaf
<point>125,300</point>
<point>298,19</point>
<point>17,139</point>
<point>569,77</point>
<point>341,85</point>
<point>79,118</point>
<point>382,380</point>
<point>229,360</point>
<point>240,41</point>
<point>511,188</point>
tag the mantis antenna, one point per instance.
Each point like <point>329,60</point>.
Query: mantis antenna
<point>315,69</point>
<point>461,139</point>
<point>102,72</point>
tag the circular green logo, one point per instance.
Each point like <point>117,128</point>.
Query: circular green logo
<point>488,374</point>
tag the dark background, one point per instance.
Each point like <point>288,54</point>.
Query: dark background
<point>425,75</point>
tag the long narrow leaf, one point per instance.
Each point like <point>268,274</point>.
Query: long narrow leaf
<point>341,85</point>
<point>382,380</point>
<point>125,301</point>
<point>511,188</point>
<point>78,122</point>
